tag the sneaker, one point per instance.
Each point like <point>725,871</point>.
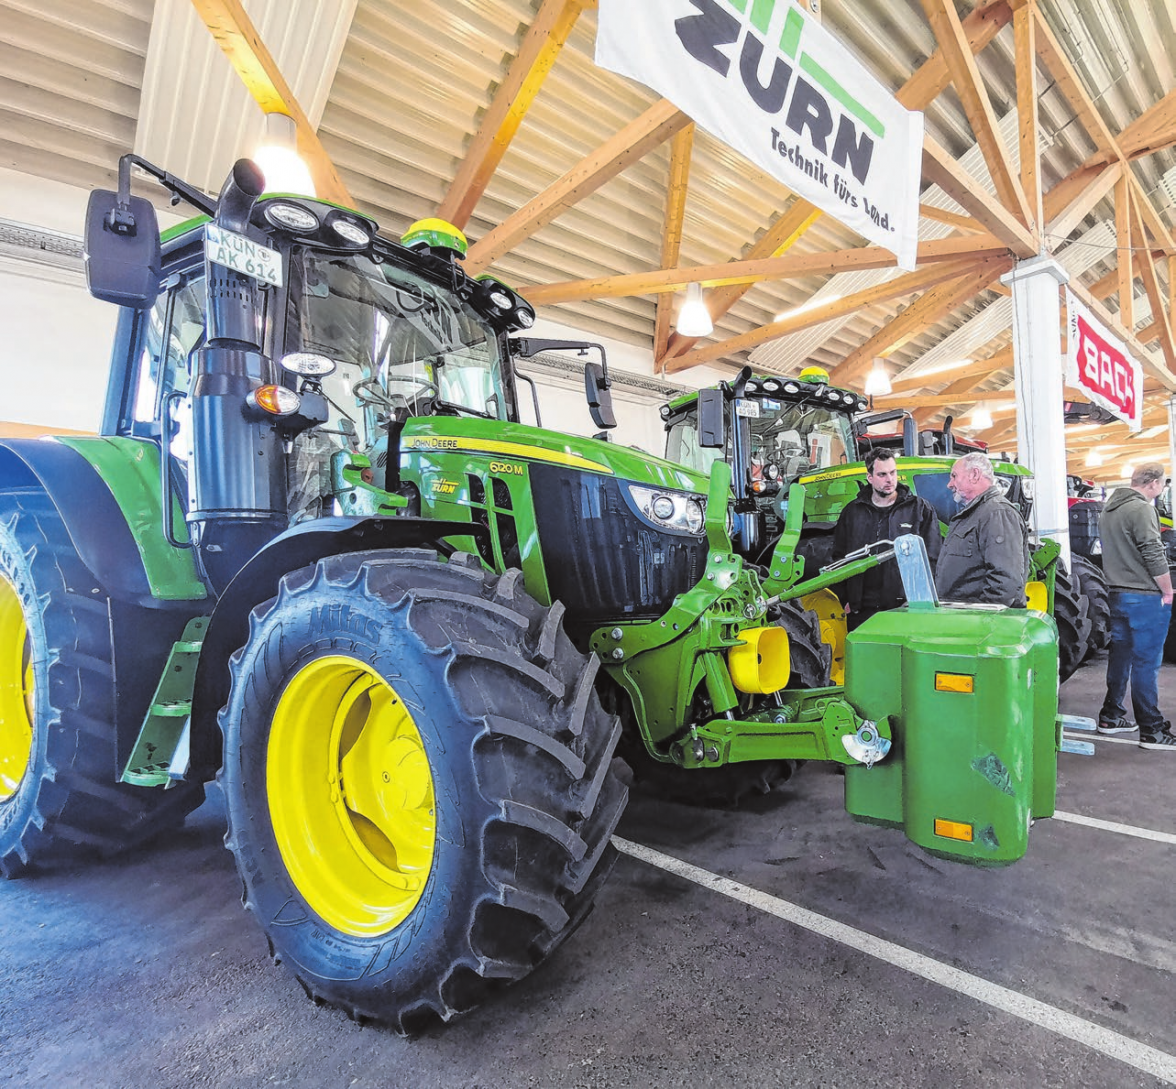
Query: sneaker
<point>1115,726</point>
<point>1160,740</point>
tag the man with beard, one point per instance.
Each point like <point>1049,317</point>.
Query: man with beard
<point>985,557</point>
<point>883,510</point>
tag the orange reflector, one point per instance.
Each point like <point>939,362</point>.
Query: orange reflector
<point>954,682</point>
<point>953,830</point>
<point>276,400</point>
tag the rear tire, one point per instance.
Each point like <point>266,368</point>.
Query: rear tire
<point>59,801</point>
<point>1093,584</point>
<point>419,779</point>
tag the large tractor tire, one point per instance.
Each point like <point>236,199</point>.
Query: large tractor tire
<point>1071,614</point>
<point>1092,584</point>
<point>419,780</point>
<point>59,802</point>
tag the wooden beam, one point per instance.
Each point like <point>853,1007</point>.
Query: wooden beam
<point>656,125</point>
<point>940,167</point>
<point>776,240</point>
<point>745,273</point>
<point>1124,273</point>
<point>952,219</point>
<point>970,374</point>
<point>920,315</point>
<point>1151,216</point>
<point>969,85</point>
<point>1151,284</point>
<point>919,280</point>
<point>1059,224</point>
<point>983,24</point>
<point>238,39</point>
<point>1025,36</point>
<point>536,56</point>
<point>943,400</point>
<point>1153,130</point>
<point>1055,59</point>
<point>681,148</point>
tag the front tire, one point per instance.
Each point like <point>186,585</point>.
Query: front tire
<point>1071,616</point>
<point>1093,584</point>
<point>59,800</point>
<point>419,782</point>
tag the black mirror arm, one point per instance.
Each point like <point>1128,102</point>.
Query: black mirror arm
<point>122,221</point>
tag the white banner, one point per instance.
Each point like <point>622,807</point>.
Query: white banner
<point>1098,364</point>
<point>775,85</point>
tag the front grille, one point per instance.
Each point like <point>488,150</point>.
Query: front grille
<point>602,561</point>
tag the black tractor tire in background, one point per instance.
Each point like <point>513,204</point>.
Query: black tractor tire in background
<point>1071,610</point>
<point>65,807</point>
<point>1093,585</point>
<point>811,659</point>
<point>506,731</point>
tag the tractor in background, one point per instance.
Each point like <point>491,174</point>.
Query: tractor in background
<point>776,431</point>
<point>314,555</point>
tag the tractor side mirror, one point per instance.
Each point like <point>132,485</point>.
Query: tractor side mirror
<point>712,419</point>
<point>596,389</point>
<point>124,259</point>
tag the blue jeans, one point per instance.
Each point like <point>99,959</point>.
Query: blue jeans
<point>1139,626</point>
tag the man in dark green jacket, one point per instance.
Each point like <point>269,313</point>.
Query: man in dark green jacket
<point>985,557</point>
<point>1140,598</point>
<point>883,510</point>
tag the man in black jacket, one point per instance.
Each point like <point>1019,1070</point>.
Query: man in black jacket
<point>883,509</point>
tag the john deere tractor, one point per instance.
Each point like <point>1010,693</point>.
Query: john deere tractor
<point>777,431</point>
<point>314,555</point>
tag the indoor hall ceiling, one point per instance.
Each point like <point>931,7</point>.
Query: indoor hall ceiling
<point>397,90</point>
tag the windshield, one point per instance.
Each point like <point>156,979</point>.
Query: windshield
<point>796,438</point>
<point>397,341</point>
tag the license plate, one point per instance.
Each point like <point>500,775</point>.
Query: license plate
<point>241,254</point>
<point>747,408</point>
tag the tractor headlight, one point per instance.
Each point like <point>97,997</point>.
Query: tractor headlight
<point>1027,486</point>
<point>679,511</point>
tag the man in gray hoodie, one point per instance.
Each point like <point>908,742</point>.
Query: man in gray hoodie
<point>985,557</point>
<point>1136,569</point>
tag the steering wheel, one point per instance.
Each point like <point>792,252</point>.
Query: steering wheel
<point>371,392</point>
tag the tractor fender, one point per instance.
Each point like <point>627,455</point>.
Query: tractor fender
<point>95,523</point>
<point>258,581</point>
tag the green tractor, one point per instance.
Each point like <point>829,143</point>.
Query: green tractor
<point>778,431</point>
<point>314,555</point>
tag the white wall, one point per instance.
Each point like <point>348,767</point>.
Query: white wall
<point>55,351</point>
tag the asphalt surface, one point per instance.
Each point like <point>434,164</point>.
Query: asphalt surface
<point>146,972</point>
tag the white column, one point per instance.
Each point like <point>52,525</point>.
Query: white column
<point>1038,373</point>
<point>1171,466</point>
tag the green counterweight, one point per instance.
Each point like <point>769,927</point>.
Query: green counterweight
<point>972,697</point>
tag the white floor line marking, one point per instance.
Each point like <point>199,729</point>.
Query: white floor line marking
<point>1148,1059</point>
<point>1113,826</point>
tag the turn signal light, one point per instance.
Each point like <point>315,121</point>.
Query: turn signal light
<point>276,400</point>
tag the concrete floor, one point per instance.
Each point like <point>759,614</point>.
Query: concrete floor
<point>146,972</point>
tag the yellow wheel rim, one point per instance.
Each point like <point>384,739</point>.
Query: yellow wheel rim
<point>16,692</point>
<point>351,796</point>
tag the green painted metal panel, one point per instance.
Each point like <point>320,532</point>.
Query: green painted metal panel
<point>130,469</point>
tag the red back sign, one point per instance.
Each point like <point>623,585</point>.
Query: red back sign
<point>1099,365</point>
